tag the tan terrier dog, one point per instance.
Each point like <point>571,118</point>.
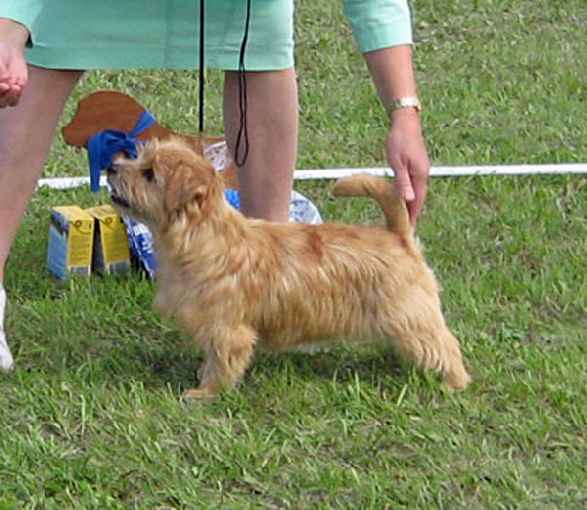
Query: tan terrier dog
<point>234,283</point>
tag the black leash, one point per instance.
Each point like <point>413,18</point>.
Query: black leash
<point>202,68</point>
<point>243,133</point>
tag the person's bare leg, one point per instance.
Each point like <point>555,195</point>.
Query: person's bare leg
<point>266,178</point>
<point>26,134</point>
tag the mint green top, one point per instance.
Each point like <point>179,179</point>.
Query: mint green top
<point>124,34</point>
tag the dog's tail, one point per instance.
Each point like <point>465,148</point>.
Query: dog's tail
<point>385,194</point>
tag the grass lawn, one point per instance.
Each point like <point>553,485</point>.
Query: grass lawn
<point>92,418</point>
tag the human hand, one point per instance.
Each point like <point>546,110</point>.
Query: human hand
<point>408,158</point>
<point>13,69</point>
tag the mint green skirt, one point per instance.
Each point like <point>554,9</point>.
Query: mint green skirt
<point>126,34</point>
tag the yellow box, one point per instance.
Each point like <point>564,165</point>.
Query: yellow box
<point>71,238</point>
<point>111,250</point>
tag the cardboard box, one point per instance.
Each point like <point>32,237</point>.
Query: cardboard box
<point>111,252</point>
<point>71,237</point>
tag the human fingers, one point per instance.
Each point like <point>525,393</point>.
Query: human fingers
<point>11,96</point>
<point>402,182</point>
<point>420,186</point>
<point>408,157</point>
<point>13,74</point>
<point>13,79</point>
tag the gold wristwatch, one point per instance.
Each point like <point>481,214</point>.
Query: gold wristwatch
<point>404,102</point>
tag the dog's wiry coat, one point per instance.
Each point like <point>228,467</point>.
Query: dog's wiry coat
<point>234,282</point>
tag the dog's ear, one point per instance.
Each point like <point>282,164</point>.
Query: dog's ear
<point>188,184</point>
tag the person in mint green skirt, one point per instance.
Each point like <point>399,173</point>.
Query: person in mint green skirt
<point>45,46</point>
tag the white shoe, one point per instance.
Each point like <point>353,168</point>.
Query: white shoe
<point>6,361</point>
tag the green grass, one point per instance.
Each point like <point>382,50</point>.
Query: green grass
<point>92,418</point>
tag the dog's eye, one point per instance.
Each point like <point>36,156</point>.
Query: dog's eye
<point>148,174</point>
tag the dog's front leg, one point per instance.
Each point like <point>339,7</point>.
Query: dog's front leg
<point>228,354</point>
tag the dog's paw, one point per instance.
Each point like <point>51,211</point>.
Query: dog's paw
<point>198,394</point>
<point>458,381</point>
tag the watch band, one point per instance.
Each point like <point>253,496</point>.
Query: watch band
<point>404,102</point>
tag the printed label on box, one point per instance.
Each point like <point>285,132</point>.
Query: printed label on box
<point>71,236</point>
<point>111,250</point>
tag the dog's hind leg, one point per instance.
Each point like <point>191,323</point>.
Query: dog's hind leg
<point>228,355</point>
<point>430,346</point>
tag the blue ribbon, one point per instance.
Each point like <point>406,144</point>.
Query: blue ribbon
<point>104,145</point>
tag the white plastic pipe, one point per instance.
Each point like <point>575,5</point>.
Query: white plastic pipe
<point>336,173</point>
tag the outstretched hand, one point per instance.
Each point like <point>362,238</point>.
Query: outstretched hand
<point>13,69</point>
<point>408,158</point>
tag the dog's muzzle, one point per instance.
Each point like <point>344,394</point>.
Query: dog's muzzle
<point>118,200</point>
<point>114,196</point>
<point>112,170</point>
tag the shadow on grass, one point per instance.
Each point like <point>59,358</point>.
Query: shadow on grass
<point>178,367</point>
<point>170,362</point>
